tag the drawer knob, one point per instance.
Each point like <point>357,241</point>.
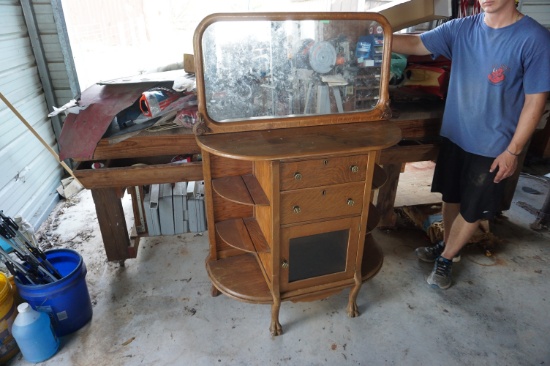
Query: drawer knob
<point>284,264</point>
<point>297,175</point>
<point>354,168</point>
<point>296,209</point>
<point>351,202</point>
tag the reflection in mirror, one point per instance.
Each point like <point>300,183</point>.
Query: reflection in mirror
<point>269,69</point>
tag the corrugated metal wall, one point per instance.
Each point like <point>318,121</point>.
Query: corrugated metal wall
<point>31,82</point>
<point>537,9</point>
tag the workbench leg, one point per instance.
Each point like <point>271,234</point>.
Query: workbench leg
<point>112,223</point>
<point>386,196</point>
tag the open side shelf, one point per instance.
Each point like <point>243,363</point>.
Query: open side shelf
<point>240,277</point>
<point>372,259</point>
<point>379,177</point>
<point>243,189</point>
<point>244,234</point>
<point>373,219</point>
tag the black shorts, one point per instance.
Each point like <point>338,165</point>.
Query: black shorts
<point>464,178</point>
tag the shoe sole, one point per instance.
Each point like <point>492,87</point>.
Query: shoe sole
<point>455,259</point>
<point>436,286</point>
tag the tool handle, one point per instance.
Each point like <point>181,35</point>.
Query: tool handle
<point>9,220</point>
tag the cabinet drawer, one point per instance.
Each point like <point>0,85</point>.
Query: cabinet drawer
<point>321,202</point>
<point>322,172</point>
<point>136,171</point>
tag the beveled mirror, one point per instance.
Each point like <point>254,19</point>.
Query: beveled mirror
<point>258,71</point>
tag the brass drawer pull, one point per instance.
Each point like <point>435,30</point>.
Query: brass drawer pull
<point>296,209</point>
<point>354,168</point>
<point>297,176</point>
<point>351,202</point>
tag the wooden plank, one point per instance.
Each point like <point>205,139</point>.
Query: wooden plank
<point>233,188</point>
<point>138,175</point>
<point>255,190</point>
<point>240,277</point>
<point>112,224</point>
<point>406,154</point>
<point>256,235</point>
<point>386,196</point>
<point>222,167</point>
<point>419,128</point>
<point>225,210</point>
<point>303,142</point>
<point>235,234</point>
<point>169,142</point>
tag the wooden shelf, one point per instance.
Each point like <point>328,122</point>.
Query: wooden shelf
<point>244,234</point>
<point>372,259</point>
<point>243,189</point>
<point>373,219</point>
<point>240,277</point>
<point>379,177</point>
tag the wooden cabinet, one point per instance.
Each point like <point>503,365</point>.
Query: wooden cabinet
<point>289,195</point>
<point>293,225</point>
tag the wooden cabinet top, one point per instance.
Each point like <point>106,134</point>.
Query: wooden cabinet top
<point>289,143</point>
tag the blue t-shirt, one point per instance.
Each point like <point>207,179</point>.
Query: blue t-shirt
<point>491,71</point>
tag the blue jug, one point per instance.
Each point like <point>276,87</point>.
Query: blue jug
<point>34,334</point>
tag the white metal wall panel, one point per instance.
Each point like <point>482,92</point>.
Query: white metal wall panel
<point>537,9</point>
<point>53,51</point>
<point>30,175</point>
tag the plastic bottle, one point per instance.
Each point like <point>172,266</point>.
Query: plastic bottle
<point>25,228</point>
<point>34,334</point>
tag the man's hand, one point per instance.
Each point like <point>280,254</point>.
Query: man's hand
<point>506,164</point>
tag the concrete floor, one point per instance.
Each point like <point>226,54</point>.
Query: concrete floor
<point>157,309</point>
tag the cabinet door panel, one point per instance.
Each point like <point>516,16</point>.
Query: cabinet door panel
<point>319,253</point>
<point>321,202</point>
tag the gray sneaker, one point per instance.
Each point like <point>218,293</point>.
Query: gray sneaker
<point>430,254</point>
<point>441,274</point>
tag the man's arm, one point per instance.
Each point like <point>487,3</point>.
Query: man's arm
<point>409,44</point>
<point>532,111</point>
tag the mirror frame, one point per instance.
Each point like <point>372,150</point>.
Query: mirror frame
<point>206,125</point>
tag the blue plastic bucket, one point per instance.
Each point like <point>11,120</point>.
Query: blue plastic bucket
<point>66,301</point>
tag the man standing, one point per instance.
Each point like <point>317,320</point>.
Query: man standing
<point>499,84</point>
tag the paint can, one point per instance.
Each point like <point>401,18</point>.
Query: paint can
<point>8,312</point>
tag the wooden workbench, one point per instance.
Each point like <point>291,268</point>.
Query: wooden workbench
<point>138,161</point>
<point>144,159</point>
<point>419,124</point>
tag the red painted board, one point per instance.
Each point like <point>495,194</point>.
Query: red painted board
<point>81,132</point>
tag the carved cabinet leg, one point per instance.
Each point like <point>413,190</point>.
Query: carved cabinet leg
<point>275,328</point>
<point>214,291</point>
<point>352,309</point>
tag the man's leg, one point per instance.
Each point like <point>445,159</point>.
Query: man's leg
<point>450,212</point>
<point>460,233</point>
<point>456,238</point>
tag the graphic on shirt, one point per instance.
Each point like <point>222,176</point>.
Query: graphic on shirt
<point>498,74</point>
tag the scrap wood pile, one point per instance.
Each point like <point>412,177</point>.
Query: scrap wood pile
<point>429,219</point>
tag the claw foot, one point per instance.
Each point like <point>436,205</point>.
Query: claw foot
<point>275,328</point>
<point>353,310</point>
